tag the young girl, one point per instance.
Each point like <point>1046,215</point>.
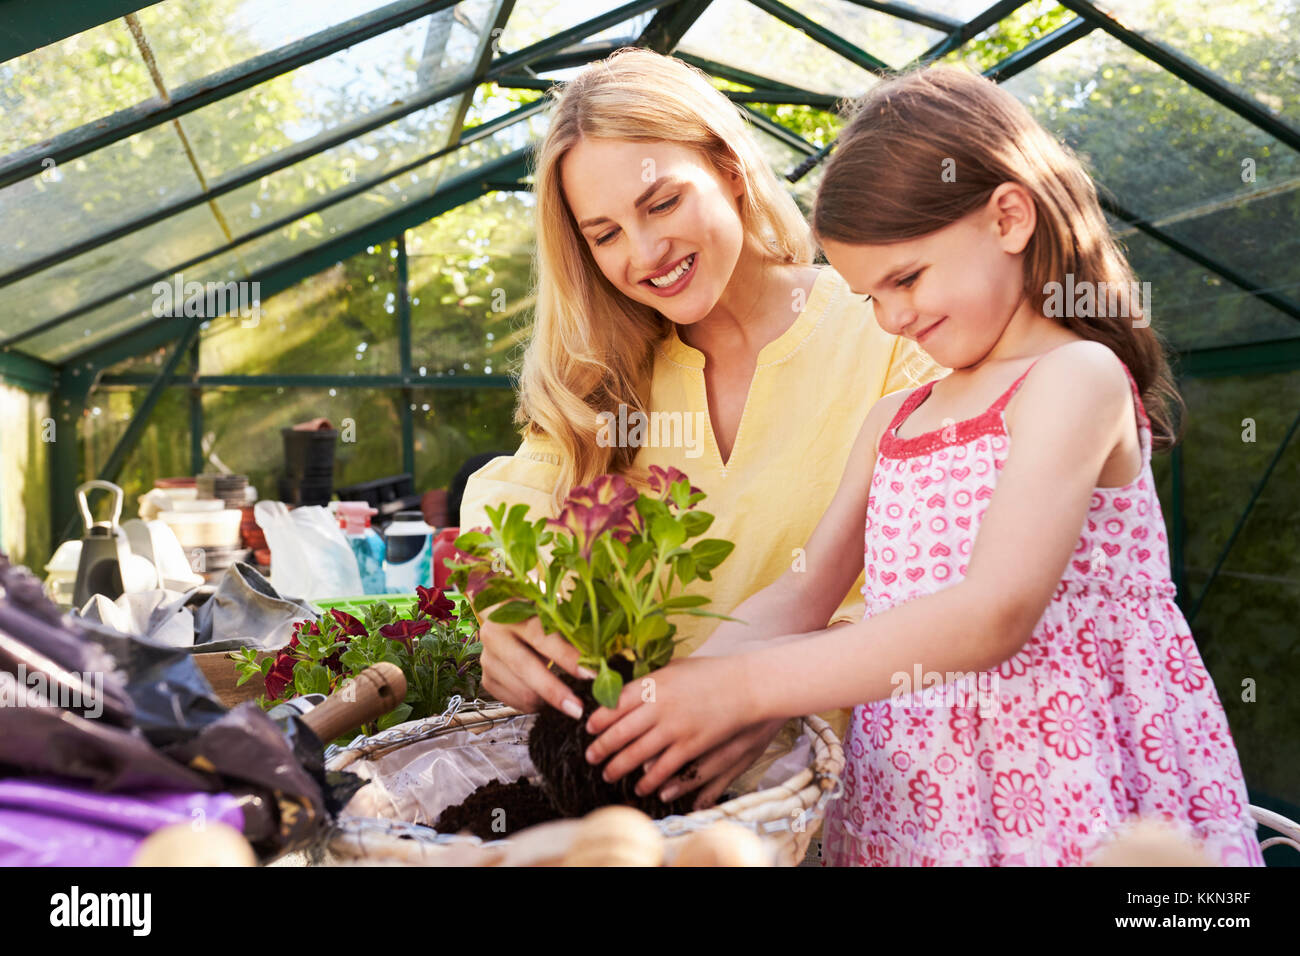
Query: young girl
<point>1022,680</point>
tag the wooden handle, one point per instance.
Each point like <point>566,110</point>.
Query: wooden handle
<point>373,693</point>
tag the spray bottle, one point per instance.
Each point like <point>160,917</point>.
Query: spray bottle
<point>367,545</point>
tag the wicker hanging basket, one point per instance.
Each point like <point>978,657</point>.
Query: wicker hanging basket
<point>785,816</point>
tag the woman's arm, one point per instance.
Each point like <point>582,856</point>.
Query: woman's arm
<point>516,656</point>
<point>804,597</point>
<point>1070,417</point>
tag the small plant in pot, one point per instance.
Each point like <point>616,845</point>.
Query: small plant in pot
<point>618,567</point>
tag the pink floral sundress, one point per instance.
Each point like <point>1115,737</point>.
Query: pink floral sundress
<point>1107,712</point>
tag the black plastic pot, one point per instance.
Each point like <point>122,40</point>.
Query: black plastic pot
<point>309,454</point>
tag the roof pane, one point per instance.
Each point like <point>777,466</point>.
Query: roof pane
<point>885,37</point>
<point>1162,147</point>
<point>1253,46</point>
<point>322,96</point>
<point>67,84</point>
<point>1192,307</point>
<point>532,21</point>
<point>193,40</point>
<point>91,193</point>
<point>738,34</point>
<point>102,271</point>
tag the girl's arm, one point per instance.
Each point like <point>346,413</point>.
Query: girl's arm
<point>1072,414</point>
<point>803,600</point>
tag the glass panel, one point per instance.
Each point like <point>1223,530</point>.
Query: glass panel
<point>320,96</point>
<point>192,40</point>
<point>1257,238</point>
<point>470,285</point>
<point>104,68</point>
<point>741,35</point>
<point>342,321</point>
<point>1246,627</point>
<point>533,22</point>
<point>162,452</point>
<point>1194,308</point>
<point>887,38</point>
<point>1163,148</point>
<point>87,195</point>
<point>1254,47</point>
<point>1013,32</point>
<point>25,477</point>
<point>454,425</point>
<point>105,270</point>
<point>242,429</point>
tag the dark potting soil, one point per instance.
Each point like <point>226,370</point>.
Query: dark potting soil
<point>496,810</point>
<point>570,787</point>
<point>558,746</point>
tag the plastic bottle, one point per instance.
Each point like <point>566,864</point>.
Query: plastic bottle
<point>410,553</point>
<point>354,519</point>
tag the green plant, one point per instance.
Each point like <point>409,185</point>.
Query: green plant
<point>434,642</point>
<point>608,584</point>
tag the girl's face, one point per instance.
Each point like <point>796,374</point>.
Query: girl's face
<point>953,291</point>
<point>658,211</point>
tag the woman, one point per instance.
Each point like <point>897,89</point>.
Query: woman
<point>674,276</point>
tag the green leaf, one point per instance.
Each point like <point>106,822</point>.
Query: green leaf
<point>668,532</point>
<point>684,565</point>
<point>397,715</point>
<point>696,522</point>
<point>710,552</point>
<point>513,613</point>
<point>648,629</point>
<point>607,686</point>
<point>685,601</point>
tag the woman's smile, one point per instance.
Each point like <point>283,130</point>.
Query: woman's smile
<point>674,280</point>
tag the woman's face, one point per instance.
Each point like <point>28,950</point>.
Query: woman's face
<point>953,291</point>
<point>656,210</point>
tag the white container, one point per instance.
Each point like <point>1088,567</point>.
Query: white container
<point>204,529</point>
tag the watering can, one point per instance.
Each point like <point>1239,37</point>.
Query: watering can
<point>106,565</point>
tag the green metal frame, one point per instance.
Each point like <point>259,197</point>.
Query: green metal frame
<point>25,26</point>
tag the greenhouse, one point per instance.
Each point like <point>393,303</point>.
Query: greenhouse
<point>236,227</point>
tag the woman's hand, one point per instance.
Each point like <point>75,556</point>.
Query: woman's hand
<point>689,708</point>
<point>515,669</point>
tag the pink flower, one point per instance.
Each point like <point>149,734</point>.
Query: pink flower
<point>1064,724</point>
<point>662,481</point>
<point>1017,802</point>
<point>607,504</point>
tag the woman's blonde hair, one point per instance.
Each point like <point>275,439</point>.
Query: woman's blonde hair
<point>592,347</point>
<point>883,184</point>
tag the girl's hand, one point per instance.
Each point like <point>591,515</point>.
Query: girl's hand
<point>716,770</point>
<point>691,707</point>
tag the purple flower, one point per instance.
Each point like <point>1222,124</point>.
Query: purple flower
<point>662,481</point>
<point>607,504</point>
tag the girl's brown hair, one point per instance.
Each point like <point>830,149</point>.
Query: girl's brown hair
<point>884,184</point>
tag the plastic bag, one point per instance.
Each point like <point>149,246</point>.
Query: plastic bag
<point>415,783</point>
<point>310,554</point>
<point>55,823</point>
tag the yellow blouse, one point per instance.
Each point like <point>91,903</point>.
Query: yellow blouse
<point>811,391</point>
